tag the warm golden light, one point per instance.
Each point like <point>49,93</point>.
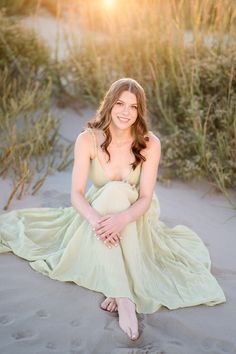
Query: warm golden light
<point>109,3</point>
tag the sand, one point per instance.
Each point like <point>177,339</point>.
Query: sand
<point>39,315</point>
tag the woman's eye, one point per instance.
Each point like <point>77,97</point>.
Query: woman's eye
<point>119,103</point>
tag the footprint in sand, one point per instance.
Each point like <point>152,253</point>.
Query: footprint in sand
<point>150,349</point>
<point>75,346</point>
<point>23,334</point>
<point>6,320</point>
<point>75,323</point>
<point>220,346</point>
<point>51,345</point>
<point>175,342</point>
<point>42,314</point>
<point>175,346</point>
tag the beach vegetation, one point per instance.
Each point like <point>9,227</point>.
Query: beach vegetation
<point>184,55</point>
<point>29,141</point>
<point>28,7</point>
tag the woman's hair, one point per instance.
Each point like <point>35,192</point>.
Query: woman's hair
<point>140,127</point>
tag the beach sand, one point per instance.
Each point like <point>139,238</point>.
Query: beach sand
<point>39,315</point>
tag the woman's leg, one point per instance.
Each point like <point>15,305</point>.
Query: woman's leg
<point>122,196</point>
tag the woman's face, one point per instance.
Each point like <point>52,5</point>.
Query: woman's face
<point>125,111</point>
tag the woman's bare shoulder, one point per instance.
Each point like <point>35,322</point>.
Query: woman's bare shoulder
<point>84,137</point>
<point>84,141</point>
<point>153,142</point>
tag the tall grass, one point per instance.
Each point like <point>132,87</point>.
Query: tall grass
<point>26,7</point>
<point>184,54</point>
<point>29,146</point>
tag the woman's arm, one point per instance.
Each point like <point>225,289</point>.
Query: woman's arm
<point>82,154</point>
<point>147,180</point>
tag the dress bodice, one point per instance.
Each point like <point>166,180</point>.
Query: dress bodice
<point>97,174</point>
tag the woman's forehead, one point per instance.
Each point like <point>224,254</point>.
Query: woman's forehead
<point>128,97</point>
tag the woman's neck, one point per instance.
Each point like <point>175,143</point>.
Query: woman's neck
<point>120,136</point>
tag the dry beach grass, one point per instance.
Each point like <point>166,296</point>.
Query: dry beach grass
<point>183,53</point>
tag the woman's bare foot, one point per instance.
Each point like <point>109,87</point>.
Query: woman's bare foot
<point>127,317</point>
<point>109,304</point>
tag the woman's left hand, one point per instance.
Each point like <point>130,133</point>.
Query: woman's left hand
<point>110,225</point>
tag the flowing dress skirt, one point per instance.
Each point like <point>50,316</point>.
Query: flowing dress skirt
<point>154,265</point>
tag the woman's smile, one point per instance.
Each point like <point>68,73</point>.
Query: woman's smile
<point>122,119</point>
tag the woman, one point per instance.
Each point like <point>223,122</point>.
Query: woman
<point>111,240</point>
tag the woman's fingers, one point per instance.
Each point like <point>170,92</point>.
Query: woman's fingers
<point>102,234</point>
<point>117,237</point>
<point>109,239</point>
<point>112,240</point>
<point>103,218</point>
<point>102,222</point>
<point>108,243</point>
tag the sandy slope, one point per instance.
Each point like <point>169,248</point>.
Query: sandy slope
<point>57,34</point>
<point>41,315</point>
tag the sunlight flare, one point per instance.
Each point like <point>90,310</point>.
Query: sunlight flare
<point>109,3</point>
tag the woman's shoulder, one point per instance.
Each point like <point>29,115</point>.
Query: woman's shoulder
<point>153,147</point>
<point>84,136</point>
<point>91,138</point>
<point>153,140</point>
<point>84,141</point>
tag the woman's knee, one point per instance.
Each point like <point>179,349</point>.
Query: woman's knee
<point>113,198</point>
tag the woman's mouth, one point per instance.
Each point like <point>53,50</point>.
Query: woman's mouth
<point>123,119</point>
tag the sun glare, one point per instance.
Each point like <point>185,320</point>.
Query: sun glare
<point>109,3</point>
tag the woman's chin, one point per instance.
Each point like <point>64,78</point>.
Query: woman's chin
<point>121,124</point>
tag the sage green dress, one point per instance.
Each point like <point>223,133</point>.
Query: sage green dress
<point>154,265</point>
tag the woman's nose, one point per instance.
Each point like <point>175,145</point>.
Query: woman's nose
<point>126,109</point>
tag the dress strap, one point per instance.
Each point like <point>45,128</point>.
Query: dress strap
<point>94,141</point>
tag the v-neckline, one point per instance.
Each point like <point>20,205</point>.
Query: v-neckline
<point>100,165</point>
<point>109,179</point>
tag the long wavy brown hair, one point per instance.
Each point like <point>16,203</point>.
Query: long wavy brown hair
<point>139,129</point>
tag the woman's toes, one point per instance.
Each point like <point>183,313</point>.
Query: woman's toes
<point>111,307</point>
<point>134,337</point>
<point>129,332</point>
<point>107,303</point>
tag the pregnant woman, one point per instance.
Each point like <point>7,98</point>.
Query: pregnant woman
<point>111,239</point>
